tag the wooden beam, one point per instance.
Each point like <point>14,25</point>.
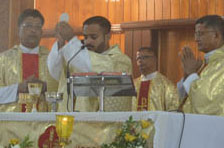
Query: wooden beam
<point>120,28</point>
<point>158,24</point>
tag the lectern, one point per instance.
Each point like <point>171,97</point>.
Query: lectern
<point>101,85</point>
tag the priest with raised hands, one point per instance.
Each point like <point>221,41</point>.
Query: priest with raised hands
<point>25,63</point>
<point>95,55</point>
<point>154,90</point>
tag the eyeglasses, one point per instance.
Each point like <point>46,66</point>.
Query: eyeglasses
<point>201,33</point>
<point>32,26</point>
<point>143,57</point>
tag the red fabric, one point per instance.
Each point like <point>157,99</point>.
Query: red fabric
<point>30,66</point>
<point>143,96</point>
<point>49,138</point>
<point>30,63</point>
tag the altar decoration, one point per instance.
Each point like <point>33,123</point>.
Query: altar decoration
<point>90,130</point>
<point>26,143</point>
<point>49,138</point>
<point>133,134</point>
<point>64,128</point>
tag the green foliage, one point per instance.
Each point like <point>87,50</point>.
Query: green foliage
<point>26,143</point>
<point>129,136</point>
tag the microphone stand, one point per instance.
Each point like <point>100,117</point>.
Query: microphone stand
<point>68,77</point>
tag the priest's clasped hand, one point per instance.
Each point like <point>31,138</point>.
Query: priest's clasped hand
<point>190,63</point>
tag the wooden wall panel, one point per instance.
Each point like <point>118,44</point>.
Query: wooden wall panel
<point>137,37</point>
<point>170,47</point>
<point>150,10</point>
<point>194,8</point>
<point>103,8</point>
<point>166,12</point>
<point>146,38</point>
<point>85,10</point>
<point>112,18</point>
<point>163,53</point>
<point>158,9</point>
<point>135,10</point>
<point>122,42</point>
<point>211,6</point>
<point>154,43</point>
<point>51,17</point>
<point>142,10</point>
<point>111,9</point>
<point>185,8</point>
<point>116,6</point>
<point>119,11</point>
<point>129,43</point>
<point>127,10</point>
<point>220,7</point>
<point>72,9</point>
<point>175,9</point>
<point>203,7</point>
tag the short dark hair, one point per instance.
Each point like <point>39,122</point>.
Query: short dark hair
<point>30,12</point>
<point>213,21</point>
<point>149,49</point>
<point>101,21</point>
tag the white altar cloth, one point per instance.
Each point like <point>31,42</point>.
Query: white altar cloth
<point>200,131</point>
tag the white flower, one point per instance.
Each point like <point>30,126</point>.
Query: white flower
<point>139,147</point>
<point>16,146</point>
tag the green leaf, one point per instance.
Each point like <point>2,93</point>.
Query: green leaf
<point>26,143</point>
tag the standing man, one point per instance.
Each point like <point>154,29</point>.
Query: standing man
<point>204,81</point>
<point>25,63</point>
<point>154,91</point>
<point>98,57</point>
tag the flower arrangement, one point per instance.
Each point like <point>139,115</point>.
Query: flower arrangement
<point>133,134</point>
<point>26,143</point>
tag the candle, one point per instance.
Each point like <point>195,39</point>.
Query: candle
<point>64,126</point>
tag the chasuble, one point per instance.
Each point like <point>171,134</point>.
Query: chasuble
<point>158,94</point>
<point>12,64</point>
<point>206,95</point>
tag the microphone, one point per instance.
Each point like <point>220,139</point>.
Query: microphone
<point>68,71</point>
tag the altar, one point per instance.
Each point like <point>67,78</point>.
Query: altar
<point>93,129</point>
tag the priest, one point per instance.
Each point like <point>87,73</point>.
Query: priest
<point>154,90</point>
<point>203,81</point>
<point>25,63</point>
<point>95,56</point>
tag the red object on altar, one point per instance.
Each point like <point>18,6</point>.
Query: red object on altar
<point>49,139</point>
